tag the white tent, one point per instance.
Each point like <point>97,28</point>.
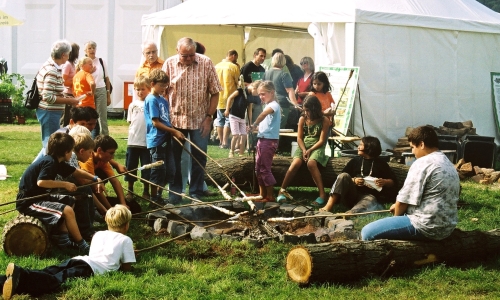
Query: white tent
<point>421,61</point>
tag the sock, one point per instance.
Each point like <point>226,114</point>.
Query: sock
<point>83,246</point>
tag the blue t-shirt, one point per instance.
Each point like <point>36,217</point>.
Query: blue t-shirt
<point>156,107</point>
<point>269,128</point>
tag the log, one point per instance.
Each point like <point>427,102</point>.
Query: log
<point>242,169</point>
<point>351,260</point>
<point>25,235</point>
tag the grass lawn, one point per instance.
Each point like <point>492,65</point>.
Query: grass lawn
<point>234,270</point>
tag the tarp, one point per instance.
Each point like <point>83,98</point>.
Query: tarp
<point>421,61</point>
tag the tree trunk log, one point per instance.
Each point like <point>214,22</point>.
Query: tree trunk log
<point>242,169</point>
<point>352,260</point>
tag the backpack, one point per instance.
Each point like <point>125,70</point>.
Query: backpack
<point>33,98</point>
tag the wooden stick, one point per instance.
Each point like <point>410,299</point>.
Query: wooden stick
<point>7,211</point>
<point>325,215</point>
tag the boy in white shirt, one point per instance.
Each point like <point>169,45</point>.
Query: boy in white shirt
<point>136,146</point>
<point>111,250</point>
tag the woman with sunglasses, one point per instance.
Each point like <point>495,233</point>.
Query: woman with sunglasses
<point>303,84</point>
<point>366,180</point>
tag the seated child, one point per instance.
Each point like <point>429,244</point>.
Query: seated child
<point>55,211</point>
<point>84,84</point>
<point>111,250</point>
<point>159,132</point>
<point>98,164</point>
<point>136,146</point>
<point>237,104</point>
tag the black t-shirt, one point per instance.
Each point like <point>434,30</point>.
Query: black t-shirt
<point>240,103</point>
<point>44,168</point>
<point>247,70</point>
<point>380,170</point>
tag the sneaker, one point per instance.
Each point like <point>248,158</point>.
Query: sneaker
<point>9,287</point>
<point>83,247</point>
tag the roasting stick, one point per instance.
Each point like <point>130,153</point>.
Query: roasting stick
<point>224,193</point>
<point>248,199</point>
<point>188,233</point>
<point>325,215</point>
<point>223,210</point>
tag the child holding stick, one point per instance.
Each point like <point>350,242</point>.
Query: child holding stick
<point>111,250</point>
<point>268,123</point>
<point>311,137</point>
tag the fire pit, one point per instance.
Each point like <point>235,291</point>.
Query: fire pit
<point>255,228</point>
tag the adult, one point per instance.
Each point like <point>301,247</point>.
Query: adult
<point>365,182</point>
<point>268,62</point>
<point>228,74</point>
<point>102,95</point>
<point>193,78</point>
<point>284,88</point>
<point>303,85</point>
<point>295,71</point>
<point>151,59</point>
<point>68,72</point>
<point>50,86</point>
<point>426,206</point>
<point>254,66</point>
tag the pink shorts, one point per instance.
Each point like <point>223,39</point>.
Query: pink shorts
<point>238,126</point>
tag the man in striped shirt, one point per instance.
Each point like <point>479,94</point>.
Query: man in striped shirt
<point>193,95</point>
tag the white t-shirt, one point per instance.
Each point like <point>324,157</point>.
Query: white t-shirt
<point>99,73</point>
<point>137,128</point>
<point>108,251</point>
<point>432,189</point>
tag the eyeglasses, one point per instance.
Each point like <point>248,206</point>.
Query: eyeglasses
<point>303,63</point>
<point>151,52</point>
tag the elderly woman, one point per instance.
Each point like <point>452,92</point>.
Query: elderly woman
<point>365,181</point>
<point>283,84</point>
<point>102,93</point>
<point>50,84</point>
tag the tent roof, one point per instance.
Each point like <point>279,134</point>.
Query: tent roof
<point>464,15</point>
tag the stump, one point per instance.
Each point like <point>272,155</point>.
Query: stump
<point>25,235</point>
<point>352,260</point>
<point>242,169</point>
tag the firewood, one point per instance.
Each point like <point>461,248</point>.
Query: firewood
<point>477,178</point>
<point>459,163</point>
<point>494,176</point>
<point>485,182</point>
<point>351,260</point>
<point>487,171</point>
<point>478,170</point>
<point>467,169</point>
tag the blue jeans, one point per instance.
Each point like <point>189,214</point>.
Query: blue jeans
<point>159,174</point>
<point>49,122</point>
<point>197,173</point>
<point>392,228</point>
<point>186,167</point>
<point>132,162</point>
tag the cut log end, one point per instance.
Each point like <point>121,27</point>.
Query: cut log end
<point>299,265</point>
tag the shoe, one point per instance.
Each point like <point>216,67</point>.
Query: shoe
<point>196,197</point>
<point>9,287</point>
<point>286,194</point>
<point>231,154</point>
<point>158,200</point>
<point>83,247</point>
<point>209,193</point>
<point>318,202</point>
<point>281,198</point>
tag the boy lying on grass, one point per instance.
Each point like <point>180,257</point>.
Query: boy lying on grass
<point>54,210</point>
<point>111,250</point>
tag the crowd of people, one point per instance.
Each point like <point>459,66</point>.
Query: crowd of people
<point>176,99</point>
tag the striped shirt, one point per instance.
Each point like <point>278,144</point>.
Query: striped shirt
<point>189,90</point>
<point>50,85</point>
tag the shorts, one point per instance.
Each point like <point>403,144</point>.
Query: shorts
<point>238,125</point>
<point>221,120</point>
<point>49,212</point>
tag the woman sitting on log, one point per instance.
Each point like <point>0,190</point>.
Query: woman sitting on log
<point>365,181</point>
<point>426,205</point>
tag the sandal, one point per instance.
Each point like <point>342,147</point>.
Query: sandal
<point>318,202</point>
<point>281,198</point>
<point>286,194</point>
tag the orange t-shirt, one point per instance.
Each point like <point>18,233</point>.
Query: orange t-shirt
<point>81,86</point>
<point>92,164</point>
<point>324,99</point>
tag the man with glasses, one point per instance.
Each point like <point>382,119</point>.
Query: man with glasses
<point>193,95</point>
<point>152,61</point>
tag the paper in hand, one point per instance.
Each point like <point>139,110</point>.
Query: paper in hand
<point>370,182</point>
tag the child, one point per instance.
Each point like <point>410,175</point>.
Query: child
<point>83,83</point>
<point>236,112</point>
<point>54,210</point>
<point>98,164</point>
<point>268,123</point>
<point>320,87</point>
<point>159,131</point>
<point>111,250</point>
<point>311,139</point>
<point>136,146</point>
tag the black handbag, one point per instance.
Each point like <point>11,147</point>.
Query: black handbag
<point>33,98</point>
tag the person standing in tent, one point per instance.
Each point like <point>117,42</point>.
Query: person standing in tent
<point>191,109</point>
<point>228,74</point>
<point>254,66</point>
<point>151,59</point>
